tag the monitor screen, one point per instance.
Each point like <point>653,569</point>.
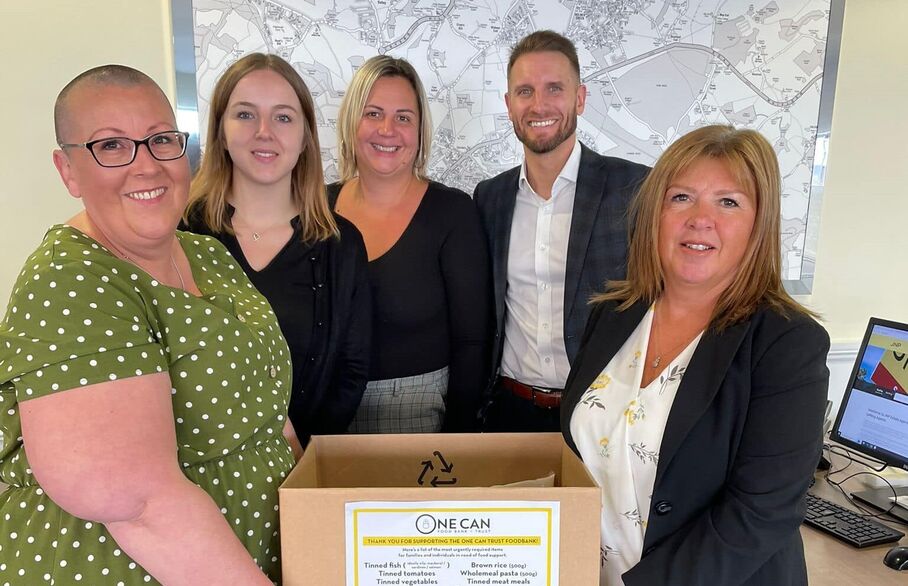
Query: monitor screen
<point>873,416</point>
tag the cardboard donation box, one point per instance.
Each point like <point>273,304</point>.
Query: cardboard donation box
<point>424,509</point>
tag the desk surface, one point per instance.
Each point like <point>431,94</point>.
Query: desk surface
<point>831,562</point>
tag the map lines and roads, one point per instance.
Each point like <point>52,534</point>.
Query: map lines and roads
<point>654,70</point>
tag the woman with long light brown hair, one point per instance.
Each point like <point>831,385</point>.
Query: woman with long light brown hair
<point>261,192</point>
<point>698,394</point>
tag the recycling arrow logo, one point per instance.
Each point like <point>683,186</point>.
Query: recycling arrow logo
<point>441,471</point>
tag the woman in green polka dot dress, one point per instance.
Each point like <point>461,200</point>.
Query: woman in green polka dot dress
<point>143,380</point>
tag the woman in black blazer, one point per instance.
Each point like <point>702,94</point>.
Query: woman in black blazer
<point>697,397</point>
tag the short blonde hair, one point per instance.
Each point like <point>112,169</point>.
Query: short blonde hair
<point>752,161</point>
<point>351,112</point>
<point>211,185</point>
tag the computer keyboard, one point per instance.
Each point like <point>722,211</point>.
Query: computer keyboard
<point>848,526</point>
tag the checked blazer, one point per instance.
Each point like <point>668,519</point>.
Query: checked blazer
<point>597,245</point>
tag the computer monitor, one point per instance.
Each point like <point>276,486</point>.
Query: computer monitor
<point>873,416</point>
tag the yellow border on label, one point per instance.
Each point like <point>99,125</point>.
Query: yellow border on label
<point>546,510</point>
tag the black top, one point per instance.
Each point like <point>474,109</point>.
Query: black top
<point>320,296</point>
<point>430,299</point>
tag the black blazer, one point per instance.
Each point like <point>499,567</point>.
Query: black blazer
<point>740,446</point>
<point>597,245</point>
<point>339,375</point>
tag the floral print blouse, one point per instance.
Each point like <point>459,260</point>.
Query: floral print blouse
<point>617,427</point>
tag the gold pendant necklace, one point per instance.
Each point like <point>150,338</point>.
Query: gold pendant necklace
<point>658,359</point>
<point>255,235</point>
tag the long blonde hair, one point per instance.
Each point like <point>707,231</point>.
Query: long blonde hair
<point>351,113</point>
<point>752,161</point>
<point>211,185</point>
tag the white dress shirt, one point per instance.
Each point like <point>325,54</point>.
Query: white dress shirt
<point>534,352</point>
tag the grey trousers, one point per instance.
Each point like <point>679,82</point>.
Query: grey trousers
<point>411,404</point>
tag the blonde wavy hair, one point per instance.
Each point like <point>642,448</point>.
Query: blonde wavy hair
<point>752,161</point>
<point>211,186</point>
<point>351,112</point>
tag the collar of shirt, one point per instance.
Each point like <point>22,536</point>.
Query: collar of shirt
<point>567,175</point>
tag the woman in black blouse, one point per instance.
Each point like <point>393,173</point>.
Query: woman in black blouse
<point>428,266</point>
<point>260,191</point>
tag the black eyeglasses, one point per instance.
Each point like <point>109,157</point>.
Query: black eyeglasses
<point>119,151</point>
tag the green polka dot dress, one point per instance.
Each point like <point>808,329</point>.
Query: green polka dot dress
<point>80,316</point>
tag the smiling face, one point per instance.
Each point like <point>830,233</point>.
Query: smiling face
<point>544,99</point>
<point>137,205</point>
<point>387,138</point>
<point>264,129</point>
<point>705,226</point>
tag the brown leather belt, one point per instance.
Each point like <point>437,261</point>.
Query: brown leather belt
<point>541,397</point>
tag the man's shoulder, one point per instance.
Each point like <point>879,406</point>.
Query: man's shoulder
<point>606,164</point>
<point>494,184</point>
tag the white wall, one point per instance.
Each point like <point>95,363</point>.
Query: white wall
<point>861,263</point>
<point>42,46</point>
<point>864,212</point>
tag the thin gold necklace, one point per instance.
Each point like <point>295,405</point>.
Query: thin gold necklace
<point>658,359</point>
<point>120,253</point>
<point>173,263</point>
<point>255,234</point>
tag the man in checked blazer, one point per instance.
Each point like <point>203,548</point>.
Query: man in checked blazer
<point>558,229</point>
